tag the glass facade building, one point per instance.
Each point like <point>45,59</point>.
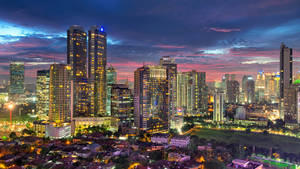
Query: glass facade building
<point>42,93</point>
<point>16,87</point>
<point>150,99</point>
<point>97,71</point>
<point>77,59</point>
<point>61,91</point>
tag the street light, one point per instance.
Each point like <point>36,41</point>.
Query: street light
<point>10,107</point>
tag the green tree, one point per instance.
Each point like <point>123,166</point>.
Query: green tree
<point>13,135</point>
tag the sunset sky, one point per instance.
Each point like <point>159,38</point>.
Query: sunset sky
<point>215,36</point>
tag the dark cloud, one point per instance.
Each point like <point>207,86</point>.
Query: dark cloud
<point>146,30</point>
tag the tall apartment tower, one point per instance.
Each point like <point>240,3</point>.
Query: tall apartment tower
<point>97,71</point>
<point>218,115</point>
<point>150,99</point>
<point>286,68</point>
<point>77,58</point>
<point>111,78</point>
<point>192,92</point>
<point>60,93</point>
<point>42,93</point>
<point>16,87</point>
<point>171,70</point>
<point>286,80</point>
<point>248,89</point>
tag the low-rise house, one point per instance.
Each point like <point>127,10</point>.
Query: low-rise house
<point>160,138</point>
<point>180,141</point>
<point>178,157</point>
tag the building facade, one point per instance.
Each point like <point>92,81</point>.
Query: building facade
<point>171,70</point>
<point>16,87</point>
<point>286,78</point>
<point>111,78</point>
<point>42,93</point>
<point>192,95</point>
<point>122,104</point>
<point>60,93</point>
<point>233,91</point>
<point>97,71</point>
<point>150,99</point>
<point>76,58</point>
<point>218,115</point>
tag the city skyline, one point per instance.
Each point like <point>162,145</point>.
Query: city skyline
<point>216,41</point>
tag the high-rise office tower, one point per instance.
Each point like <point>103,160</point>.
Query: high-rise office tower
<point>218,115</point>
<point>97,70</point>
<point>225,81</point>
<point>233,91</point>
<point>171,70</point>
<point>286,80</point>
<point>248,89</point>
<point>182,84</point>
<point>122,104</point>
<point>150,98</point>
<point>76,58</point>
<point>16,87</point>
<point>42,93</point>
<point>60,93</point>
<point>111,78</point>
<point>286,68</point>
<point>192,92</point>
<point>260,85</point>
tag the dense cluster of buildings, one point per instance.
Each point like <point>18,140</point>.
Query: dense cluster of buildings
<point>86,90</point>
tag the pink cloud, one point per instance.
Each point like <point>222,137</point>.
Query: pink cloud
<point>225,30</point>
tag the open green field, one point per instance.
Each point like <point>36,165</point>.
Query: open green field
<point>286,144</point>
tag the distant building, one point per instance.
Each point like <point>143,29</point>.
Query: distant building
<point>240,113</point>
<point>171,70</point>
<point>292,104</point>
<point>76,58</point>
<point>180,141</point>
<point>111,78</point>
<point>80,123</point>
<point>122,104</point>
<point>58,131</point>
<point>42,93</point>
<point>60,94</point>
<point>233,91</point>
<point>286,78</point>
<point>192,95</point>
<point>248,89</point>
<point>150,99</point>
<point>97,71</point>
<point>16,88</point>
<point>218,115</point>
<point>160,138</point>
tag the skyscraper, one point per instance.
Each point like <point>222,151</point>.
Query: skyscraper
<point>61,92</point>
<point>218,115</point>
<point>97,71</point>
<point>171,70</point>
<point>233,91</point>
<point>150,98</point>
<point>192,92</point>
<point>286,68</point>
<point>286,80</point>
<point>111,78</point>
<point>16,87</point>
<point>122,104</point>
<point>42,93</point>
<point>248,89</point>
<point>260,85</point>
<point>76,58</point>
